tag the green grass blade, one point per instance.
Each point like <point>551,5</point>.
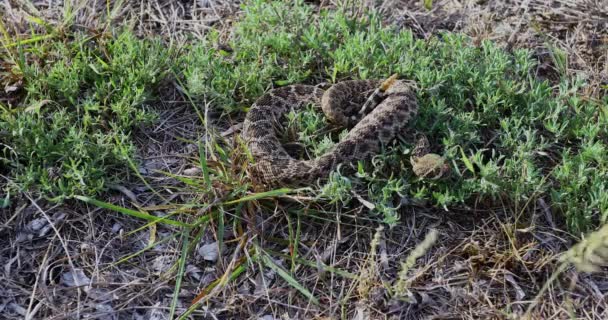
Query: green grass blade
<point>220,231</point>
<point>262,195</point>
<point>188,181</point>
<point>204,219</point>
<point>131,212</point>
<point>467,162</point>
<point>428,4</point>
<point>313,264</point>
<point>237,271</point>
<point>180,272</point>
<point>197,237</point>
<point>287,277</point>
<point>4,203</point>
<point>203,163</point>
<point>29,41</point>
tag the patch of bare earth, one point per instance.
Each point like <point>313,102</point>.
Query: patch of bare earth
<point>75,261</point>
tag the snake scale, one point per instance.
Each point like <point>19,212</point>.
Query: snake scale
<point>376,110</point>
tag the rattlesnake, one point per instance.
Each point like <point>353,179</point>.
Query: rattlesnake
<point>376,110</point>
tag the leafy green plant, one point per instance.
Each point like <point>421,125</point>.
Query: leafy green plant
<point>507,135</point>
<point>337,189</point>
<point>83,99</point>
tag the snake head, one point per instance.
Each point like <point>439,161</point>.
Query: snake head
<point>431,166</point>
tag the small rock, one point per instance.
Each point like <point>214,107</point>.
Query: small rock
<point>209,252</point>
<point>37,224</point>
<point>75,278</point>
<point>194,171</point>
<point>116,227</point>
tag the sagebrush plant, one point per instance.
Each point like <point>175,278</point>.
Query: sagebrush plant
<point>307,127</point>
<point>507,135</point>
<point>82,99</point>
<point>337,189</point>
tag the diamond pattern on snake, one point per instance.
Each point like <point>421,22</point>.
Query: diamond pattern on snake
<point>375,110</point>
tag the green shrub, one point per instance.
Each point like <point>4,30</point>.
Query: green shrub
<point>507,135</point>
<point>83,99</point>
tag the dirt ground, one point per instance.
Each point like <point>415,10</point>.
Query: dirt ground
<point>68,261</point>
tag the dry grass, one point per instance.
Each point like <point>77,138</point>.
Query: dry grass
<point>61,262</point>
<point>578,28</point>
<point>173,19</point>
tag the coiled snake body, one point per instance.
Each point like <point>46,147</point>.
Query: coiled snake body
<point>376,110</point>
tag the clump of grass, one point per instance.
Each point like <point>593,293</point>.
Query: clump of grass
<point>337,190</point>
<point>368,277</point>
<point>82,98</point>
<point>401,287</point>
<point>588,255</point>
<point>591,253</point>
<point>508,136</point>
<point>307,126</point>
